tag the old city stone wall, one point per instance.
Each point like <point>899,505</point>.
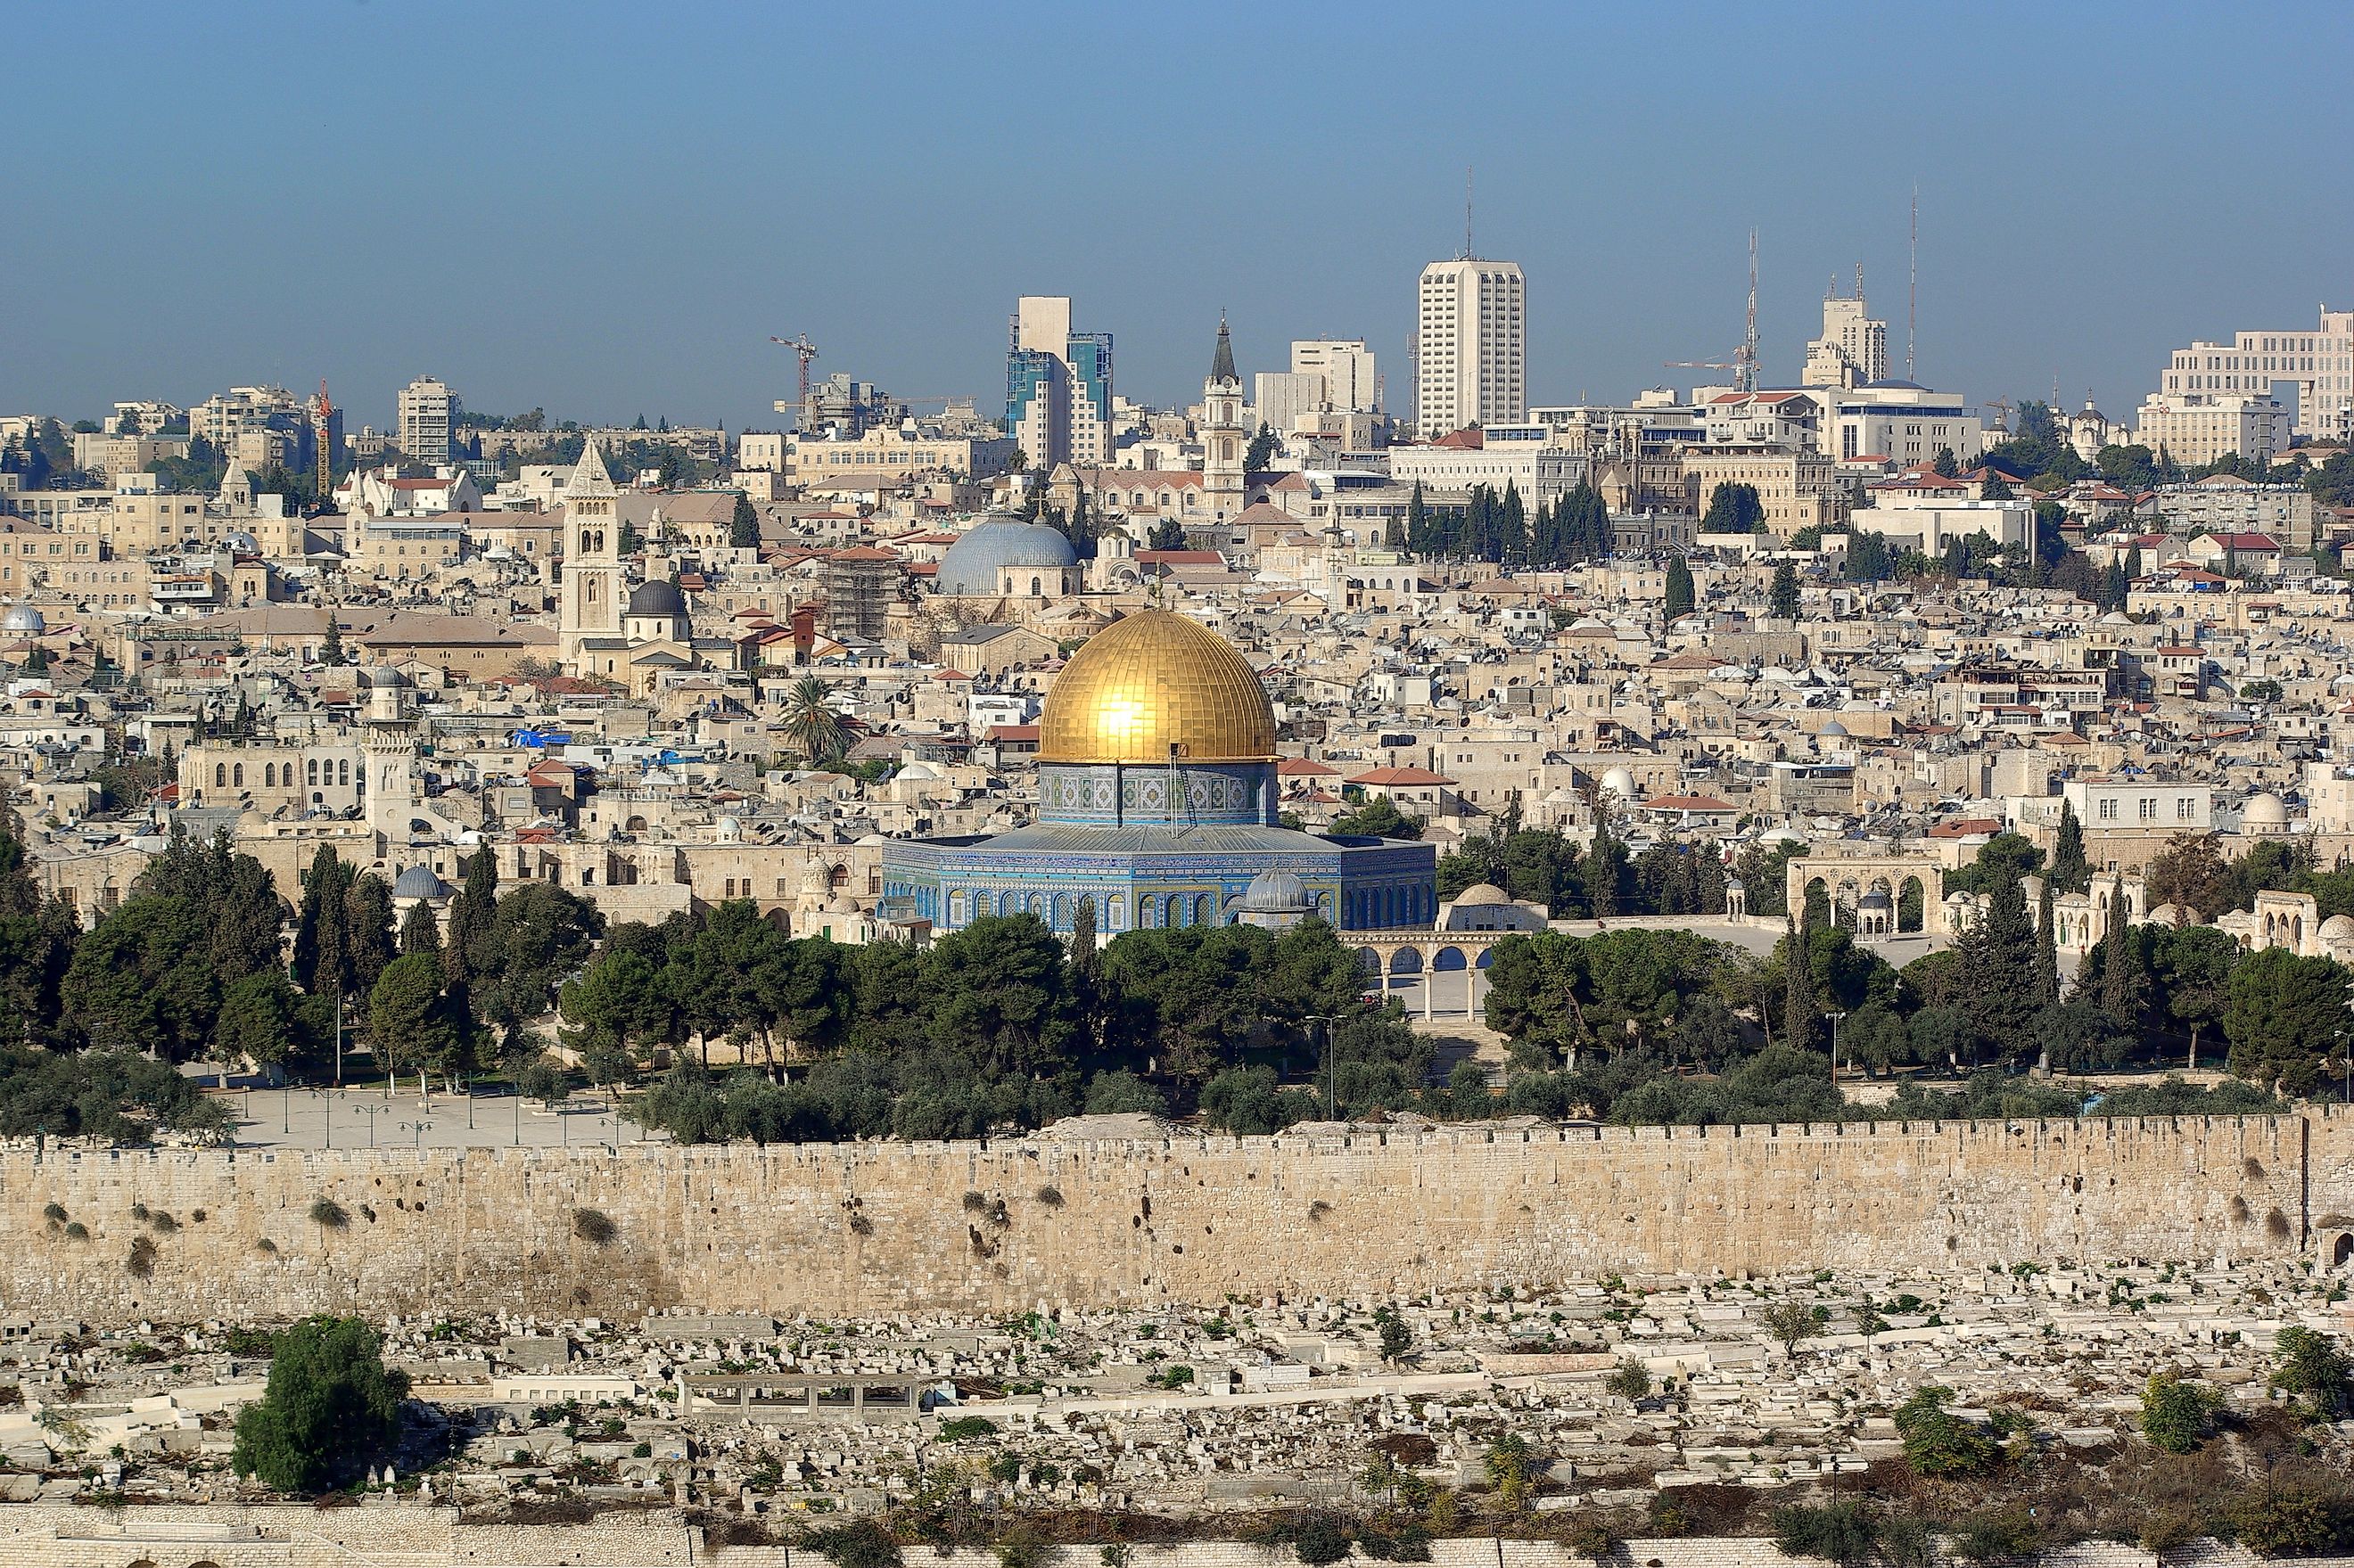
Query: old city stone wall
<point>410,1535</point>
<point>835,1230</point>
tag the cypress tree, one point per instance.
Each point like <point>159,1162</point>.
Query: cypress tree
<point>2070,870</point>
<point>2125,986</point>
<point>1998,967</point>
<point>2047,949</point>
<point>1798,1019</point>
<point>1681,596</point>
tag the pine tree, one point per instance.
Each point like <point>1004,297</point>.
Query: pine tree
<point>1997,967</point>
<point>1798,1018</point>
<point>1606,860</point>
<point>2070,870</point>
<point>1512,535</point>
<point>1417,522</point>
<point>1782,601</point>
<point>419,931</point>
<point>1680,596</point>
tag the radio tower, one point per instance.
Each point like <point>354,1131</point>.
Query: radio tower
<point>1912,286</point>
<point>1745,374</point>
<point>323,415</point>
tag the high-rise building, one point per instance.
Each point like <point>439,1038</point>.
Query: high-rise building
<point>1470,345</point>
<point>428,424</point>
<point>1278,400</point>
<point>1853,349</point>
<point>2318,360</point>
<point>1347,366</point>
<point>1058,385</point>
<point>2196,427</point>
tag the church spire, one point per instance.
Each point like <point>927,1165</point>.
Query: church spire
<point>1222,363</point>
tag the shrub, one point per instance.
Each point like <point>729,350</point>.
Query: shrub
<point>862,1543</point>
<point>1631,1379</point>
<point>594,1226</point>
<point>2004,1532</point>
<point>964,1429</point>
<point>974,1204</point>
<point>141,1264</point>
<point>1051,1195</point>
<point>2313,1372</point>
<point>328,1215</point>
<point>1023,1547</point>
<point>139,1212</point>
<point>77,1230</point>
<point>1843,1532</point>
<point>1320,1538</point>
<point>2178,1414</point>
<point>54,1212</point>
<point>2283,1521</point>
<point>1937,1443</point>
<point>162,1224</point>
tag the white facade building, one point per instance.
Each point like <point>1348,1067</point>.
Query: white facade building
<point>1901,422</point>
<point>428,416</point>
<point>1523,457</point>
<point>2196,427</point>
<point>1279,399</point>
<point>1470,345</point>
<point>1853,349</point>
<point>1351,381</point>
<point>2318,360</point>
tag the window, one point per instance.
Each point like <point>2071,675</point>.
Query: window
<point>2108,812</point>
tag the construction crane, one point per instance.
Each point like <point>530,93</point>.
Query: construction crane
<point>2002,407</point>
<point>804,351</point>
<point>1744,363</point>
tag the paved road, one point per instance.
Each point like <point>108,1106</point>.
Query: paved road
<point>357,1117</point>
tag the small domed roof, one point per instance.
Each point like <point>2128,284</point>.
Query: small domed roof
<point>1480,893</point>
<point>1620,782</point>
<point>660,596</point>
<point>1833,729</point>
<point>23,619</point>
<point>418,881</point>
<point>2337,927</point>
<point>1875,899</point>
<point>970,566</point>
<point>2165,915</point>
<point>919,770</point>
<point>731,829</point>
<point>382,676</point>
<point>2266,809</point>
<point>1274,892</point>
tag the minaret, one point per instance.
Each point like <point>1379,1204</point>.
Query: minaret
<point>590,601</point>
<point>1223,441</point>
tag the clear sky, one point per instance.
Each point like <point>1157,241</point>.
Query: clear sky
<point>604,209</point>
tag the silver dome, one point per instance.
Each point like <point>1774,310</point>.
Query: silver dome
<point>23,620</point>
<point>971,566</point>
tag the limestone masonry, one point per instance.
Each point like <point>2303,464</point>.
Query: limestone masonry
<point>871,1228</point>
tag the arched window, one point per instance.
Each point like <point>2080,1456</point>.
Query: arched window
<point>220,776</point>
<point>956,908</point>
<point>1202,908</point>
<point>1175,913</point>
<point>310,771</point>
<point>236,775</point>
<point>1037,590</point>
<point>344,768</point>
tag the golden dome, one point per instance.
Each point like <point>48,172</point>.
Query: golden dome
<point>1153,681</point>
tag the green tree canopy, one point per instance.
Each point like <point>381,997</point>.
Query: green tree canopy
<point>331,1408</point>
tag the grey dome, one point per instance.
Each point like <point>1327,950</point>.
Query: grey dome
<point>24,618</point>
<point>971,563</point>
<point>418,881</point>
<point>382,676</point>
<point>660,597</point>
<point>1275,892</point>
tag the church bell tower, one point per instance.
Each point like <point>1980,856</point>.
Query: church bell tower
<point>590,604</point>
<point>1224,442</point>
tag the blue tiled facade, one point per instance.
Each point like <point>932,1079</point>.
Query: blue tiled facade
<point>1157,846</point>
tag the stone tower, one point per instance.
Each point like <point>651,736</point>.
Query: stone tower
<point>1224,442</point>
<point>590,604</point>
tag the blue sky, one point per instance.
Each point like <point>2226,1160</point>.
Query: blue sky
<point>606,209</point>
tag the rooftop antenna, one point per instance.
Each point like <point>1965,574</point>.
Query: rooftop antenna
<point>1912,286</point>
<point>1467,212</point>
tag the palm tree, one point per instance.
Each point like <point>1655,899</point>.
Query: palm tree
<point>812,724</point>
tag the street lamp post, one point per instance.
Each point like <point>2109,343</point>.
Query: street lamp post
<point>371,1112</point>
<point>1835,1018</point>
<point>416,1129</point>
<point>1332,1066</point>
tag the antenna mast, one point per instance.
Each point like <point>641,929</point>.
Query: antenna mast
<point>1911,287</point>
<point>1467,212</point>
<point>1745,371</point>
